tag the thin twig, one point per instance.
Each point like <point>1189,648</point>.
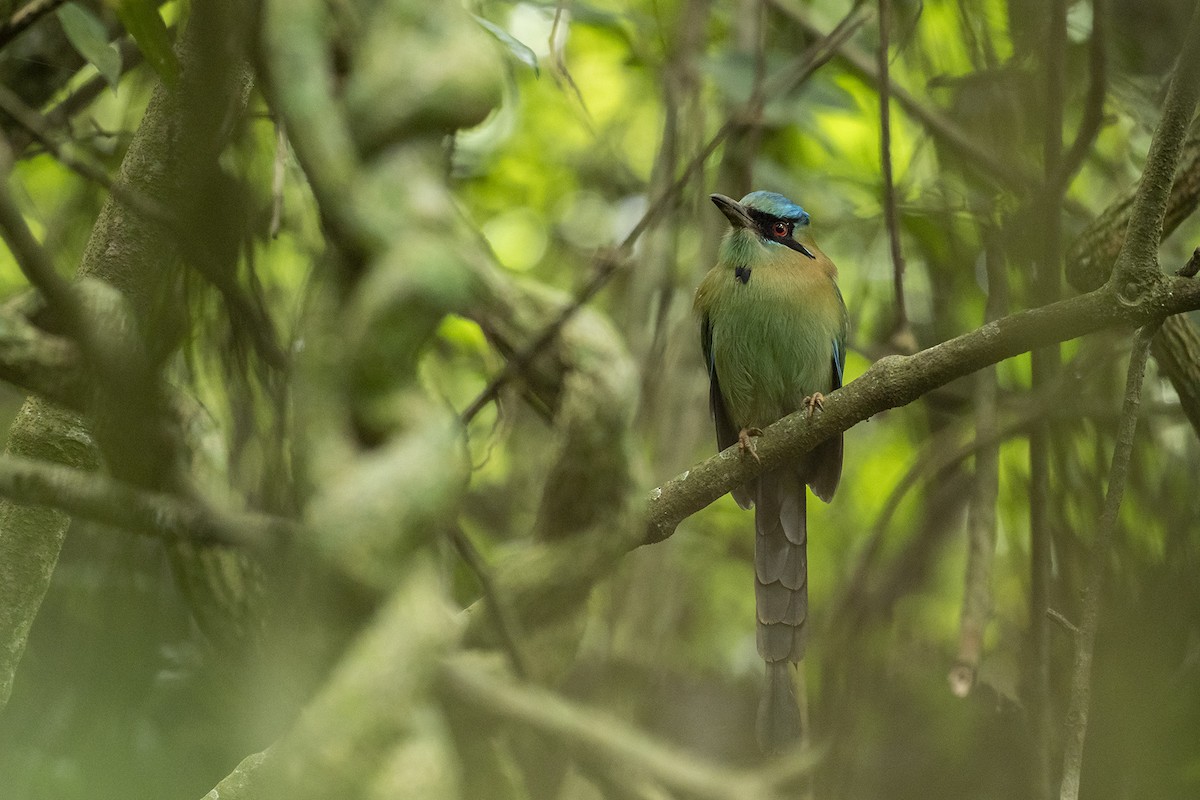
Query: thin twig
<point>735,175</point>
<point>606,265</point>
<point>506,623</point>
<point>942,455</point>
<point>277,178</point>
<point>1192,267</point>
<point>1057,617</point>
<point>827,46</point>
<point>33,260</point>
<point>25,17</point>
<point>900,325</point>
<point>981,511</point>
<point>757,100</point>
<point>682,125</point>
<point>1093,112</point>
<point>41,131</point>
<point>1003,173</point>
<point>1081,679</point>
<point>559,65</point>
<point>79,97</point>
<point>1045,363</point>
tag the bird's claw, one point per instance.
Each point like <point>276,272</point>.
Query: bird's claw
<point>746,441</point>
<point>814,402</point>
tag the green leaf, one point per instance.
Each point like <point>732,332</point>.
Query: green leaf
<point>521,51</point>
<point>87,35</point>
<point>142,21</point>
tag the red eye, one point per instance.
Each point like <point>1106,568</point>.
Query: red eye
<point>780,229</point>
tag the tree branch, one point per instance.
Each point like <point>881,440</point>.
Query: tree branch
<point>1091,255</point>
<point>1077,712</point>
<point>40,362</point>
<point>507,626</point>
<point>1045,361</point>
<point>467,679</point>
<point>91,496</point>
<point>985,486</point>
<point>1138,260</point>
<point>898,380</point>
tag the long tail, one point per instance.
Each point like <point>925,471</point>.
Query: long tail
<point>781,600</point>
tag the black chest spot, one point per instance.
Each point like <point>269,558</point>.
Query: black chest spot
<point>742,274</point>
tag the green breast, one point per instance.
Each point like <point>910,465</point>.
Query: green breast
<point>772,346</point>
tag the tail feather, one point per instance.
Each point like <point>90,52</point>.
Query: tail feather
<point>778,713</point>
<point>781,600</point>
<point>781,566</point>
<point>826,469</point>
<point>777,603</point>
<point>777,560</point>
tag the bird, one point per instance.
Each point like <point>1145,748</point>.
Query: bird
<point>773,329</point>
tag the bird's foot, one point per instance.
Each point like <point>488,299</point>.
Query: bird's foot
<point>746,441</point>
<point>814,402</point>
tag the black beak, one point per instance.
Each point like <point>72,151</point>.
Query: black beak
<point>734,211</point>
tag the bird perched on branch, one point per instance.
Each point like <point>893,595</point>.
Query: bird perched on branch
<point>773,329</point>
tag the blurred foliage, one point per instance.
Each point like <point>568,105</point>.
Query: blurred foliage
<point>118,695</point>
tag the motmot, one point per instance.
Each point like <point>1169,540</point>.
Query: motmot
<point>773,330</point>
